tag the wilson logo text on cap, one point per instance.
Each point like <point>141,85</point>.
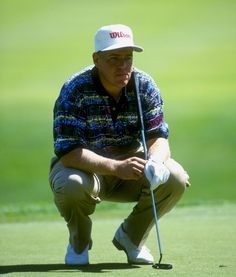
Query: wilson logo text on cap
<point>119,35</point>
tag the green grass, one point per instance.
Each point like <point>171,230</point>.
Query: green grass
<point>189,50</point>
<point>198,241</point>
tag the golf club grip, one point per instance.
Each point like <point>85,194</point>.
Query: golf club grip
<point>140,114</point>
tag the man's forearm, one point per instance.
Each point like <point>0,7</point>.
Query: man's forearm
<point>86,160</point>
<point>159,149</point>
<point>89,161</point>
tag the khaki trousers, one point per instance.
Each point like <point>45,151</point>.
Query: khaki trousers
<point>76,194</point>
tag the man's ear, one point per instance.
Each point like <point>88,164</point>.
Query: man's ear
<point>95,58</point>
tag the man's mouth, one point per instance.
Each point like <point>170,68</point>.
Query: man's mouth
<point>124,75</point>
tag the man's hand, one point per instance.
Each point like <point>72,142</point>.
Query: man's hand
<point>157,173</point>
<point>130,169</point>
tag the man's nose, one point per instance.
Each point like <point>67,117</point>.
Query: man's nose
<point>122,62</point>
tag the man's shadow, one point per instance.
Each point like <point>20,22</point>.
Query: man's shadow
<point>100,267</point>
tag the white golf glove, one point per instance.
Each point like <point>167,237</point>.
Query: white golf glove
<point>156,173</point>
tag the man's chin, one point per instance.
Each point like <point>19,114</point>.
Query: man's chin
<point>123,83</point>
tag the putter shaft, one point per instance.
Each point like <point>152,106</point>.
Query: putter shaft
<point>156,225</point>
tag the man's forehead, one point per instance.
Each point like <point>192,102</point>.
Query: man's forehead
<point>119,52</point>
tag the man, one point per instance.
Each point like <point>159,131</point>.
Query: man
<point>98,152</point>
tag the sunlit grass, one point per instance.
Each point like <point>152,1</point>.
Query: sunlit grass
<point>189,50</point>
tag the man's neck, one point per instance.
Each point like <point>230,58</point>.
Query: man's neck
<point>115,92</point>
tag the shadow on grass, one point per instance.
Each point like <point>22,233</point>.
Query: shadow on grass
<point>101,267</point>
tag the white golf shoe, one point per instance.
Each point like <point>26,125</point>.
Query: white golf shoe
<point>135,255</point>
<point>73,258</point>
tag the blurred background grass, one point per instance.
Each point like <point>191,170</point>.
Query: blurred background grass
<point>190,50</point>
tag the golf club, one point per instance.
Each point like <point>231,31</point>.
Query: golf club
<point>140,112</point>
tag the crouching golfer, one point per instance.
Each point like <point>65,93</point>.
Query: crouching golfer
<point>98,151</point>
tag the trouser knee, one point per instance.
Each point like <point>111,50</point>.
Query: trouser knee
<point>178,176</point>
<point>179,184</point>
<point>72,188</point>
<point>73,182</point>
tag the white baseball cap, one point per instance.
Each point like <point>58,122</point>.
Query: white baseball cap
<point>114,37</point>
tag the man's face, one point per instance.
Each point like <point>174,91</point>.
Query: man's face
<point>115,68</point>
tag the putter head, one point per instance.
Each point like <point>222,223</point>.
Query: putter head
<point>162,266</point>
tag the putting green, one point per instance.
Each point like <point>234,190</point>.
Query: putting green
<point>198,241</point>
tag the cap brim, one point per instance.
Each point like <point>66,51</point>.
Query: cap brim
<point>118,46</point>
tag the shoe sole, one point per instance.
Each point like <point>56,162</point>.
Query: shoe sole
<point>76,265</point>
<point>121,248</point>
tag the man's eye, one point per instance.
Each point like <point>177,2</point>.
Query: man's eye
<point>114,59</point>
<point>128,59</point>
